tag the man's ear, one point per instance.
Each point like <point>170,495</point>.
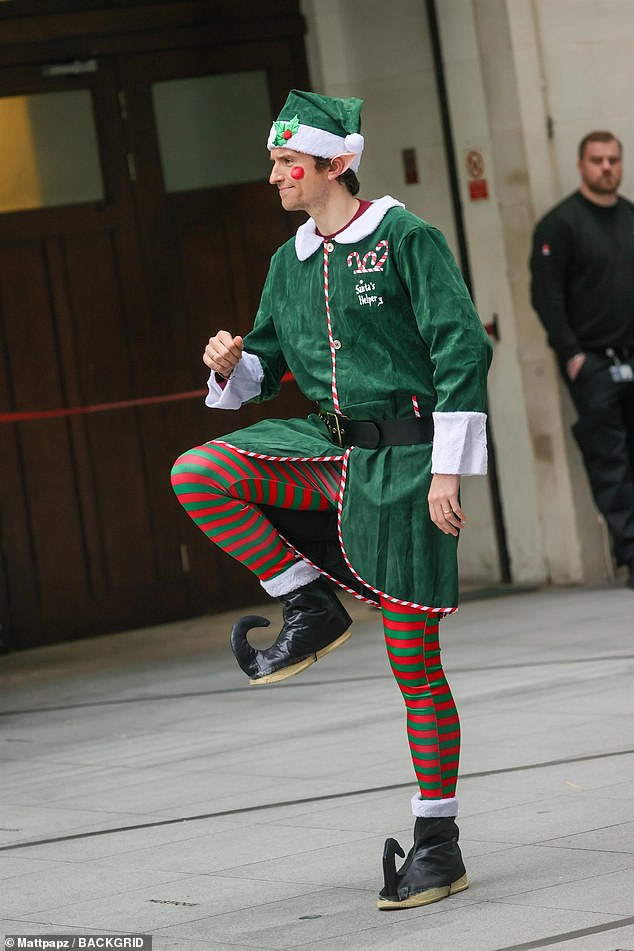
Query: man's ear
<point>338,166</point>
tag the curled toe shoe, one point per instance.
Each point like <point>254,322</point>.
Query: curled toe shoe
<point>315,623</point>
<point>432,870</point>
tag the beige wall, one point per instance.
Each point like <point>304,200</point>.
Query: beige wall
<point>505,101</point>
<point>472,130</point>
<point>386,58</point>
<point>526,80</point>
<point>586,51</point>
<point>555,48</point>
<point>552,70</point>
<point>364,48</point>
<point>356,48</point>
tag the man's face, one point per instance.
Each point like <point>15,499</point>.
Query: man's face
<point>301,186</point>
<point>600,167</point>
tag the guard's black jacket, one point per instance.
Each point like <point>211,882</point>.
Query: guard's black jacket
<point>582,267</point>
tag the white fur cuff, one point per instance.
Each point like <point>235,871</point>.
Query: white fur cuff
<point>245,383</point>
<point>298,575</point>
<point>434,808</point>
<point>460,444</point>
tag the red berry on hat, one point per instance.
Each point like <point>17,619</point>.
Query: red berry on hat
<point>287,134</point>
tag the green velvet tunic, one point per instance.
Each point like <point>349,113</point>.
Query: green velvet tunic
<point>404,337</point>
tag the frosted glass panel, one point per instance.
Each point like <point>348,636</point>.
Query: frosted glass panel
<point>213,130</point>
<point>49,153</point>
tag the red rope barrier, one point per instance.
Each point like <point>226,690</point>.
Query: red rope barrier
<point>30,415</point>
<point>96,407</point>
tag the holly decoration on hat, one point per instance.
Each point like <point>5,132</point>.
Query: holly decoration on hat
<point>284,131</point>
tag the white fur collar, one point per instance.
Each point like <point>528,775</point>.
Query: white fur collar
<point>307,240</point>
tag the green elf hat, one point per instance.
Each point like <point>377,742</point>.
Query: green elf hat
<point>323,126</point>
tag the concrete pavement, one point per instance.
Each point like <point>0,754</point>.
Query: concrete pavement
<point>147,789</point>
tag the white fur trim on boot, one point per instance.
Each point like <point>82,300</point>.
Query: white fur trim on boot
<point>434,808</point>
<point>298,575</point>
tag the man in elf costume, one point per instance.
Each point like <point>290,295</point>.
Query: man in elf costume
<point>367,309</point>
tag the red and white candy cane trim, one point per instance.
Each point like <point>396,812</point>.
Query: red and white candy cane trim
<point>443,612</point>
<point>415,405</point>
<point>353,257</point>
<point>333,352</point>
<point>340,584</point>
<point>269,457</point>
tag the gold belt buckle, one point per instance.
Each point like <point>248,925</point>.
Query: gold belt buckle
<point>332,424</point>
<point>337,430</point>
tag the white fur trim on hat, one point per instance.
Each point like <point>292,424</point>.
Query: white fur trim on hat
<point>322,144</point>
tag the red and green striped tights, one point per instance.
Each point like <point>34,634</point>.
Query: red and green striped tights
<point>220,489</point>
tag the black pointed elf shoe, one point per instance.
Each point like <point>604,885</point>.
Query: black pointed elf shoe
<point>315,623</point>
<point>432,870</point>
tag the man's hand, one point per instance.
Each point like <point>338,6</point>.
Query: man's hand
<point>444,508</point>
<point>223,353</point>
<point>573,366</point>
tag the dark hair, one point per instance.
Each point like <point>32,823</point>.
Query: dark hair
<point>347,178</point>
<point>598,137</point>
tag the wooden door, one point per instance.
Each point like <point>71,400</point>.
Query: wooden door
<point>78,530</point>
<point>198,122</point>
<point>112,277</point>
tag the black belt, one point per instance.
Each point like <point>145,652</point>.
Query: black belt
<point>373,434</point>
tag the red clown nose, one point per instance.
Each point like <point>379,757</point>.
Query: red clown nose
<point>297,172</point>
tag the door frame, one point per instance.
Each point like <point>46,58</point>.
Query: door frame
<point>79,30</point>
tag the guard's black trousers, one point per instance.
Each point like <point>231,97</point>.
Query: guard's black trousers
<point>605,435</point>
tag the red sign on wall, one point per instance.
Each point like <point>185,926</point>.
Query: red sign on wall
<point>475,164</point>
<point>478,185</point>
<point>478,188</point>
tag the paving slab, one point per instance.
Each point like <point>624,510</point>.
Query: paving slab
<point>34,892</point>
<point>336,919</point>
<point>149,909</point>
<point>618,938</point>
<point>146,787</point>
